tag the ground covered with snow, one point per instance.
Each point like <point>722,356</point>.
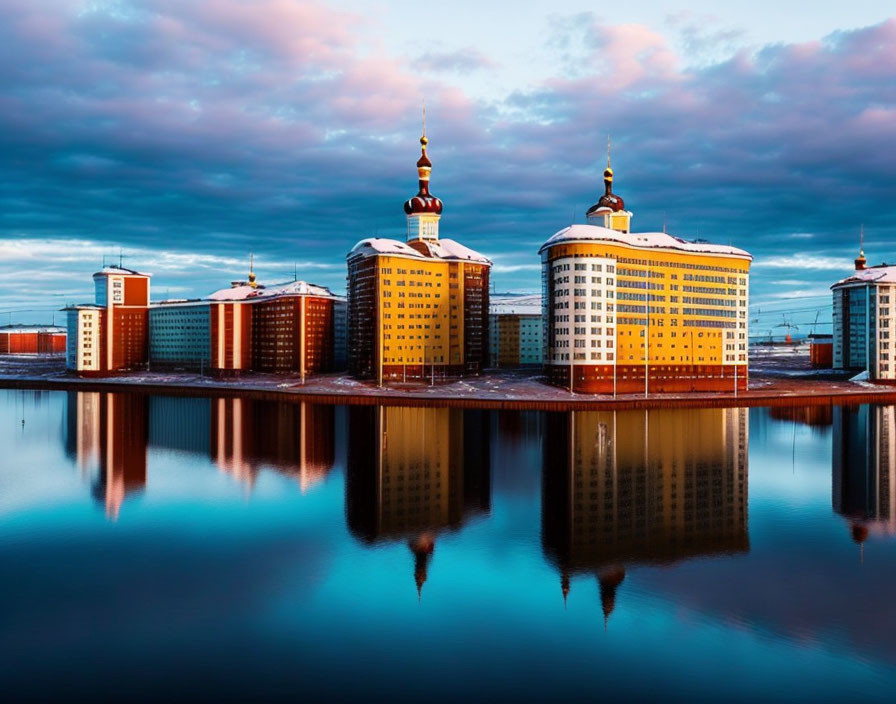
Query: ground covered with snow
<point>776,375</point>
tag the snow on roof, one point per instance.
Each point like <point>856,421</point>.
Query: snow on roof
<point>24,329</point>
<point>641,240</point>
<point>296,288</point>
<point>234,293</point>
<point>83,306</point>
<point>112,270</point>
<point>291,288</point>
<point>523,304</point>
<point>383,245</point>
<point>451,249</point>
<point>882,274</point>
<point>439,249</point>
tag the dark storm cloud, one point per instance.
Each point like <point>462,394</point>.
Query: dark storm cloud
<point>225,126</point>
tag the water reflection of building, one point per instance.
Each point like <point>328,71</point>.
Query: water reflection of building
<point>813,416</point>
<point>294,438</point>
<point>413,472</point>
<point>864,469</point>
<point>109,431</point>
<point>624,488</point>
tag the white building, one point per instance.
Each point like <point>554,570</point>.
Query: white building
<point>863,315</point>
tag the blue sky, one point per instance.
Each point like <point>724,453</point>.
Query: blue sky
<point>188,135</point>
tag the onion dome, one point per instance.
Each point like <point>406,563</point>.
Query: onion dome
<point>859,532</point>
<point>424,201</point>
<point>422,546</point>
<point>608,200</point>
<point>609,580</point>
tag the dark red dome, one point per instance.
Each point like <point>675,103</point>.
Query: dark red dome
<point>609,200</point>
<point>423,203</point>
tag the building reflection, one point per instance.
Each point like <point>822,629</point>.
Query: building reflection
<point>816,417</point>
<point>109,431</point>
<point>864,469</point>
<point>637,487</point>
<point>109,434</point>
<point>413,473</point>
<point>295,439</point>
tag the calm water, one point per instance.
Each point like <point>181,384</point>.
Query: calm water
<point>158,548</point>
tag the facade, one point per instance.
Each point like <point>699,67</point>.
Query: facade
<point>417,309</point>
<point>286,328</point>
<point>515,330</point>
<point>821,351</point>
<point>642,488</point>
<point>179,335</point>
<point>864,316</point>
<point>630,312</point>
<point>32,339</point>
<point>112,334</point>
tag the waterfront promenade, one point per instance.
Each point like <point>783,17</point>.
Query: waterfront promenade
<point>511,390</point>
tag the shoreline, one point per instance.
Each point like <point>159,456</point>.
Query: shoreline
<point>522,393</point>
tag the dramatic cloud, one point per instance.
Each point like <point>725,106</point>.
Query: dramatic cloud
<point>208,130</point>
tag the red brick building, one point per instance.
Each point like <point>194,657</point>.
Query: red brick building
<point>32,339</point>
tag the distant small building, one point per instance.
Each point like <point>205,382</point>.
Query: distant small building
<point>515,328</point>
<point>32,339</point>
<point>864,315</point>
<point>821,351</point>
<point>111,334</point>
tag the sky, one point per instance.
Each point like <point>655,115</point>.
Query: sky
<point>184,136</point>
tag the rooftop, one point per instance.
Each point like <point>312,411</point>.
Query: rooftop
<point>440,249</point>
<point>112,270</point>
<point>881,274</point>
<point>509,304</point>
<point>641,240</point>
<point>21,328</point>
<point>245,292</point>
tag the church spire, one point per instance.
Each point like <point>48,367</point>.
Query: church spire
<point>424,209</point>
<point>252,281</point>
<point>860,260</point>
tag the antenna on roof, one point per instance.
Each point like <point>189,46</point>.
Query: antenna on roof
<point>120,257</point>
<point>664,222</point>
<point>862,238</point>
<point>295,271</point>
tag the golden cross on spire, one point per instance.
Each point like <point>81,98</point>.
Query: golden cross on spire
<point>424,117</point>
<point>608,150</point>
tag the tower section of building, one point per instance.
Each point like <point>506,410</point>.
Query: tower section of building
<point>417,309</point>
<point>864,315</point>
<point>632,312</point>
<point>110,335</point>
